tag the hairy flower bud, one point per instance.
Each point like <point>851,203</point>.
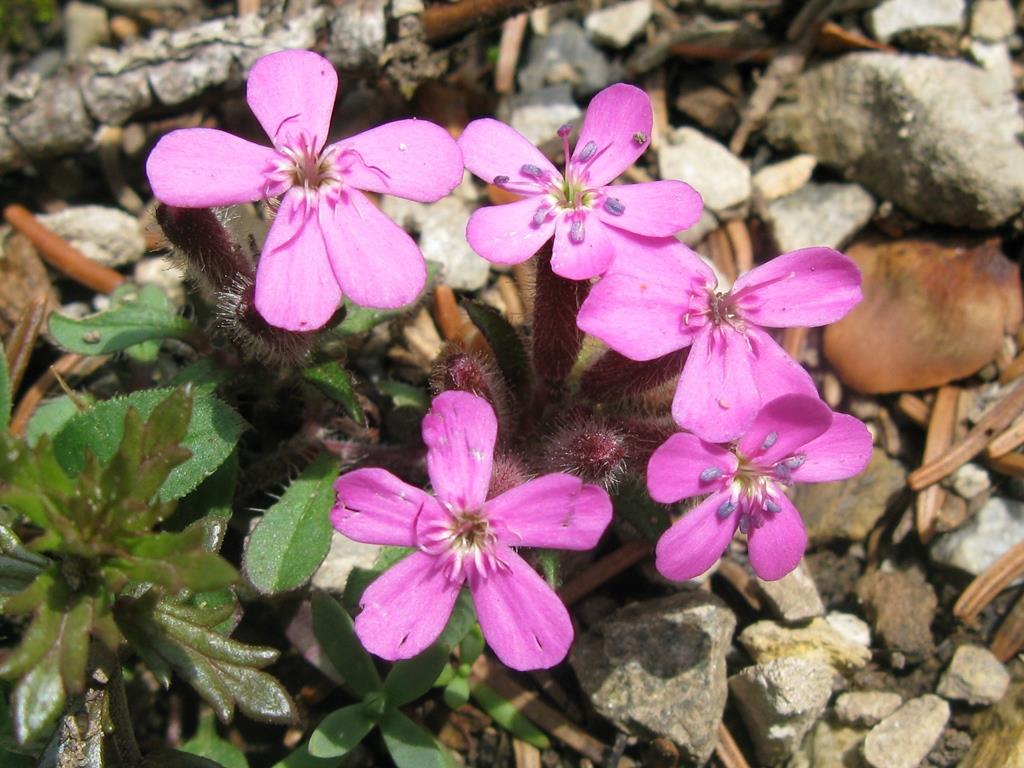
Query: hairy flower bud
<point>556,339</point>
<point>590,448</point>
<point>614,377</point>
<point>254,336</point>
<point>459,369</point>
<point>211,255</point>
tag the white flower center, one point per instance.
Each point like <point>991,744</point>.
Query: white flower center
<point>465,540</point>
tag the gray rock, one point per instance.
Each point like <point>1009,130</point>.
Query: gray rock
<point>817,641</point>
<point>828,745</point>
<point>983,539</point>
<point>850,508</point>
<point>565,55</point>
<point>974,675</point>
<point>706,224</point>
<point>992,20</point>
<point>794,597</point>
<point>442,235</point>
<point>657,668</point>
<point>971,480</point>
<point>780,701</point>
<point>866,708</point>
<point>164,272</point>
<point>107,235</point>
<point>937,137</point>
<point>343,557</point>
<point>819,214</point>
<point>539,114</point>
<point>891,17</point>
<point>85,27</point>
<point>901,607</point>
<point>722,179</point>
<point>783,178</point>
<point>618,24</point>
<point>851,628</point>
<point>904,738</point>
<point>995,59</point>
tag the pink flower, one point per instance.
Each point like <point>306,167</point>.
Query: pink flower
<point>793,439</point>
<point>327,237</point>
<point>461,536</point>
<point>659,297</point>
<point>586,216</point>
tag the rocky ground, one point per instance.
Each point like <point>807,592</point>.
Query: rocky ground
<point>890,130</point>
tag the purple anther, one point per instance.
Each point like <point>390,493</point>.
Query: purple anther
<point>769,440</point>
<point>565,130</point>
<point>709,474</point>
<point>772,506</point>
<point>499,180</point>
<point>725,509</point>
<point>529,169</point>
<point>614,206</point>
<point>576,232</point>
<point>540,214</point>
<point>744,523</point>
<point>588,151</point>
<point>782,472</point>
<point>795,462</point>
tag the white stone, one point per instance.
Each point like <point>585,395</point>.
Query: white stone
<point>539,114</point>
<point>706,224</point>
<point>866,708</point>
<point>165,273</point>
<point>86,27</point>
<point>343,557</point>
<point>400,8</point>
<point>971,480</point>
<point>106,235</point>
<point>827,214</point>
<point>992,20</point>
<point>852,628</point>
<point>995,59</point>
<point>889,18</point>
<point>785,177</point>
<point>983,539</point>
<point>974,675</point>
<point>721,178</point>
<point>904,738</point>
<point>618,24</point>
<point>794,597</point>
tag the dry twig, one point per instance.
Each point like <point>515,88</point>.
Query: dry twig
<point>602,570</point>
<point>941,433</point>
<point>990,583</point>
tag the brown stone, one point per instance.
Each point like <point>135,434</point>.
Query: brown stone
<point>901,606</point>
<point>933,311</point>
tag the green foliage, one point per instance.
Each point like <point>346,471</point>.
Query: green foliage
<point>336,383</point>
<point>292,538</point>
<point>405,395</point>
<point>17,15</point>
<point>206,743</point>
<point>5,390</point>
<point>136,322</point>
<point>509,351</point>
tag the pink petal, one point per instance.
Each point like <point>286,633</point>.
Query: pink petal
<point>842,451</point>
<point>783,427</point>
<point>654,208</point>
<point>776,547</point>
<point>812,286</point>
<point>557,511</point>
<point>491,148</point>
<point>200,167</point>
<point>618,121</point>
<point>506,234</point>
<point>460,430</point>
<point>638,308</point>
<point>295,287</point>
<point>414,159</point>
<point>376,507</point>
<point>775,372</point>
<point>674,469</point>
<point>375,261</point>
<point>586,259</point>
<point>406,607</point>
<point>695,542</point>
<point>292,95</point>
<point>522,619</point>
<point>716,398</point>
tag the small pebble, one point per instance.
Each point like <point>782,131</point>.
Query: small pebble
<point>866,708</point>
<point>974,675</point>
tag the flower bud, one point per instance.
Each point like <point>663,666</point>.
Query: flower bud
<point>556,339</point>
<point>589,448</point>
<point>210,253</point>
<point>614,377</point>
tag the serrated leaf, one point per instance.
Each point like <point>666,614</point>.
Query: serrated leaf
<point>410,745</point>
<point>294,535</point>
<point>411,678</point>
<point>5,390</point>
<point>404,395</point>
<point>340,731</point>
<point>505,342</point>
<point>206,743</point>
<point>119,328</point>
<point>336,383</point>
<point>213,431</point>
<point>507,716</point>
<point>336,634</point>
<point>51,416</point>
<point>211,502</point>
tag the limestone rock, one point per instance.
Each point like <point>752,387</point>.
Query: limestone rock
<point>819,214</point>
<point>901,606</point>
<point>937,137</point>
<point>817,641</point>
<point>657,668</point>
<point>617,25</point>
<point>983,539</point>
<point>538,114</point>
<point>992,20</point>
<point>891,17</point>
<point>780,701</point>
<point>343,557</point>
<point>794,597</point>
<point>107,235</point>
<point>565,57</point>
<point>829,745</point>
<point>784,178</point>
<point>904,738</point>
<point>974,675</point>
<point>722,179</point>
<point>866,708</point>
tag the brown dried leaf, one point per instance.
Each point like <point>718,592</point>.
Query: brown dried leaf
<point>22,277</point>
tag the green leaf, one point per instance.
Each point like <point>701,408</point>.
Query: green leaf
<point>340,731</point>
<point>292,538</point>
<point>456,693</point>
<point>507,345</point>
<point>5,390</point>
<point>50,417</point>
<point>223,671</point>
<point>19,567</point>
<point>337,637</point>
<point>404,395</point>
<point>173,758</point>
<point>411,678</point>
<point>211,501</point>
<point>336,383</point>
<point>508,717</point>
<point>472,645</point>
<point>360,578</point>
<point>131,323</point>
<point>461,621</point>
<point>410,745</point>
<point>213,431</point>
<point>301,758</point>
<point>206,743</point>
